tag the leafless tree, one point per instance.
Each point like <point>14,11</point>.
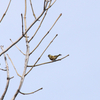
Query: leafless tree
<point>46,6</point>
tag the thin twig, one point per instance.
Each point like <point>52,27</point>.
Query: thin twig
<point>46,34</point>
<point>22,24</point>
<point>26,37</point>
<point>11,77</point>
<point>3,69</point>
<point>31,92</point>
<point>51,5</point>
<point>44,5</point>
<point>5,11</point>
<point>48,62</point>
<point>17,47</point>
<point>13,66</point>
<point>39,25</point>
<point>32,10</point>
<point>8,78</point>
<point>41,54</point>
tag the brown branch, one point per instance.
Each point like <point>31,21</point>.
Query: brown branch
<point>44,5</point>
<point>48,62</point>
<point>41,54</point>
<point>22,24</point>
<point>26,57</point>
<point>3,69</point>
<point>32,10</point>
<point>51,5</point>
<point>39,25</point>
<point>46,34</point>
<point>13,66</point>
<point>23,75</point>
<point>22,35</point>
<point>11,77</point>
<point>31,92</point>
<point>63,57</point>
<point>17,47</point>
<point>26,61</point>
<point>5,11</point>
<point>8,78</point>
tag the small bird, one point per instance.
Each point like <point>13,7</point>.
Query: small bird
<point>53,57</point>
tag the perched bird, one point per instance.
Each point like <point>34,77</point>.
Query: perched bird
<point>53,57</point>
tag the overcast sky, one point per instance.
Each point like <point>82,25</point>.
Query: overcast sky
<point>76,77</point>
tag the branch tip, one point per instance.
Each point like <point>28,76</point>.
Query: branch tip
<point>61,14</point>
<point>56,34</point>
<point>30,92</point>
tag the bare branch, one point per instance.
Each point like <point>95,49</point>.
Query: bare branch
<point>8,79</point>
<point>51,5</point>
<point>31,92</point>
<point>32,10</point>
<point>41,54</point>
<point>22,35</point>
<point>5,11</point>
<point>47,5</point>
<point>44,5</point>
<point>48,62</point>
<point>3,69</point>
<point>39,25</point>
<point>17,47</point>
<point>25,19</point>
<point>26,58</point>
<point>46,34</point>
<point>63,57</point>
<point>23,75</point>
<point>11,77</point>
<point>22,24</point>
<point>13,66</point>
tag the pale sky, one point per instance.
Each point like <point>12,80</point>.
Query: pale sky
<point>76,77</point>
